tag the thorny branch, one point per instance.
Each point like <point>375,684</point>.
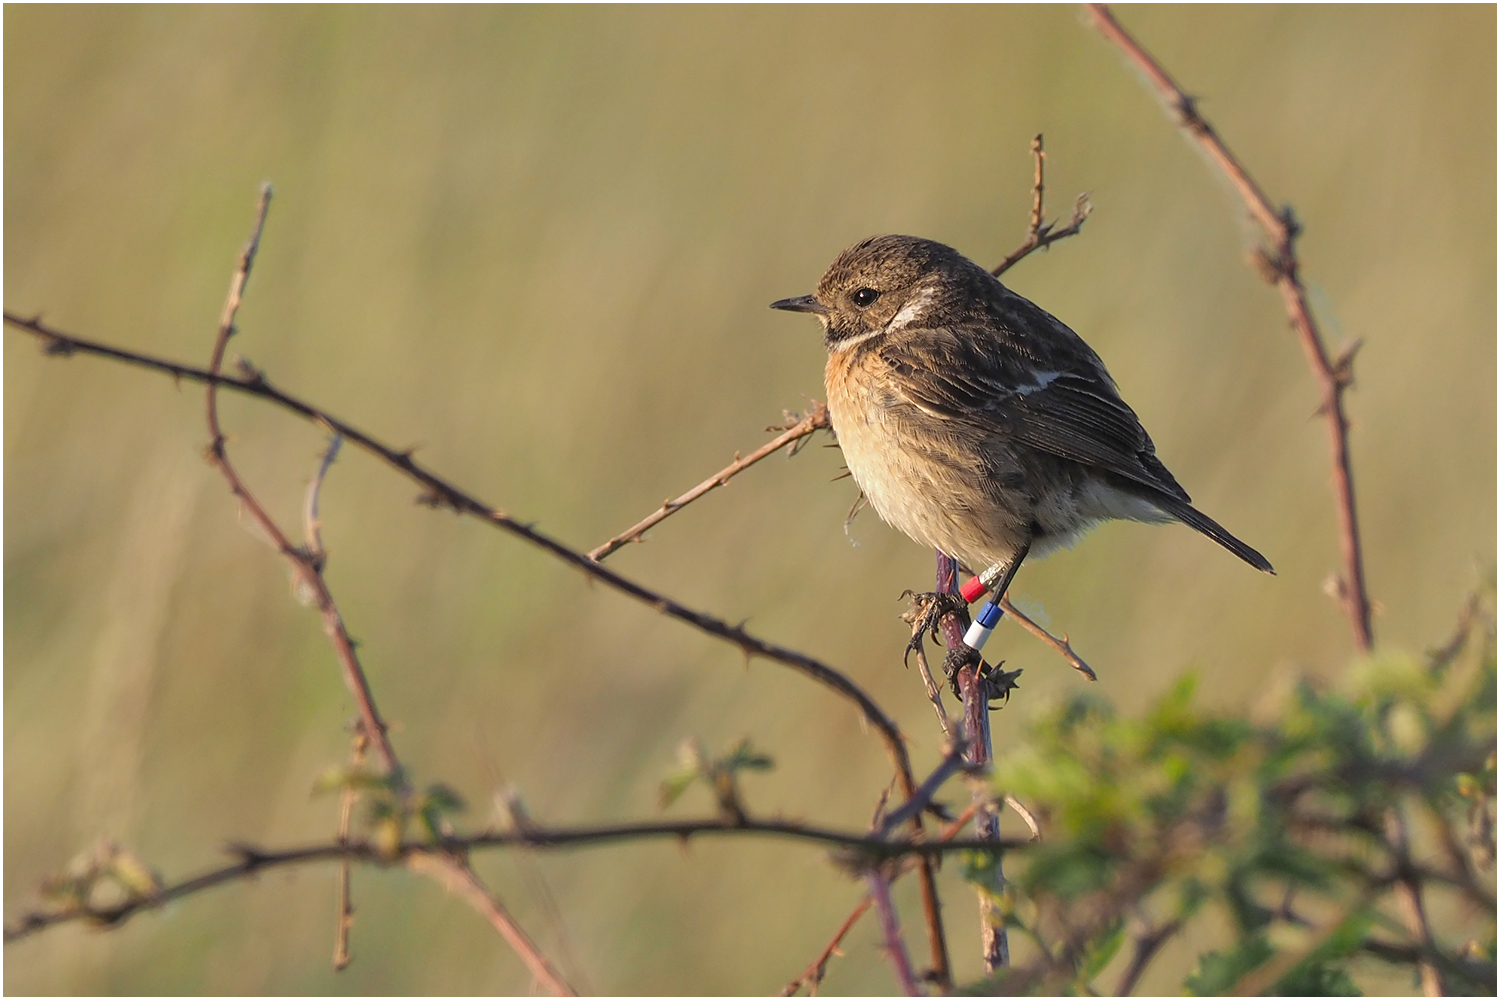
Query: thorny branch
<point>994,940</point>
<point>252,860</point>
<point>1146,945</point>
<point>1279,265</point>
<point>1059,644</point>
<point>303,563</point>
<point>813,974</point>
<point>890,931</point>
<point>347,796</point>
<point>442,493</point>
<point>448,869</point>
<point>791,437</point>
<point>1041,235</point>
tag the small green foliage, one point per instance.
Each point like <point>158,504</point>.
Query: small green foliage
<point>1288,823</point>
<point>391,805</point>
<point>101,878</point>
<point>1102,950</point>
<point>721,774</point>
<point>357,779</point>
<point>433,807</point>
<point>1218,972</point>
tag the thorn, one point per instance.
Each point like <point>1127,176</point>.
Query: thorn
<point>1343,363</point>
<point>1335,587</point>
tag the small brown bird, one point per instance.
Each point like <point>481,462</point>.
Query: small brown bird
<point>976,422</point>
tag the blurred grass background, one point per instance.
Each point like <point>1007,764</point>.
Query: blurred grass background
<point>538,243</point>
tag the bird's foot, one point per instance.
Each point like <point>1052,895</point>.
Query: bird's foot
<point>998,683</point>
<point>959,659</point>
<point>995,683</point>
<point>926,614</point>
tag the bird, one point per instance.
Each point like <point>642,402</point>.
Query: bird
<point>974,421</point>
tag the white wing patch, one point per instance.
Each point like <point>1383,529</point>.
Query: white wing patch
<point>1042,380</point>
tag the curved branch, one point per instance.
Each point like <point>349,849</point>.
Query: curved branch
<point>451,871</point>
<point>1280,267</point>
<point>420,856</point>
<point>441,493</point>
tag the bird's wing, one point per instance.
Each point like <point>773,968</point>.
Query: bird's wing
<point>1061,402</point>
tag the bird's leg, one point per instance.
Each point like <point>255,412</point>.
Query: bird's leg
<point>966,653</point>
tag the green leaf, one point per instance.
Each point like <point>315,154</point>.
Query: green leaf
<point>674,784</point>
<point>1102,950</point>
<point>744,758</point>
<point>336,779</point>
<point>445,799</point>
<point>386,835</point>
<point>1219,972</point>
<point>1317,979</point>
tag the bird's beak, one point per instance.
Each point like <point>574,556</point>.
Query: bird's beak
<point>802,304</point>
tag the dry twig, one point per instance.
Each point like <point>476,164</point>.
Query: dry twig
<point>1039,234</point>
<point>442,493</point>
<point>813,974</point>
<point>1061,645</point>
<point>253,860</point>
<point>448,869</point>
<point>890,929</point>
<point>1146,945</point>
<point>347,797</point>
<point>1280,267</point>
<point>791,438</point>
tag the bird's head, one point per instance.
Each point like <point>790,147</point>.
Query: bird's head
<point>883,284</point>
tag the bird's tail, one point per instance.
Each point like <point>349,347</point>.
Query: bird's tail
<point>1199,521</point>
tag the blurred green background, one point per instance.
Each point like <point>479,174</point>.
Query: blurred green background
<point>538,243</point>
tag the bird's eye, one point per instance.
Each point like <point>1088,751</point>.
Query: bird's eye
<point>865,296</point>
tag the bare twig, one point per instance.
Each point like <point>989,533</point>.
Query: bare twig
<point>1026,817</point>
<point>890,929</point>
<point>1061,645</point>
<point>441,493</point>
<point>1147,945</point>
<point>347,797</point>
<point>303,563</point>
<point>994,940</point>
<point>815,419</point>
<point>1280,267</point>
<point>456,875</point>
<point>924,670</point>
<point>953,761</point>
<point>1439,659</point>
<point>1409,899</point>
<point>312,522</point>
<point>813,974</point>
<point>1040,234</point>
<point>252,860</point>
<point>307,564</point>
